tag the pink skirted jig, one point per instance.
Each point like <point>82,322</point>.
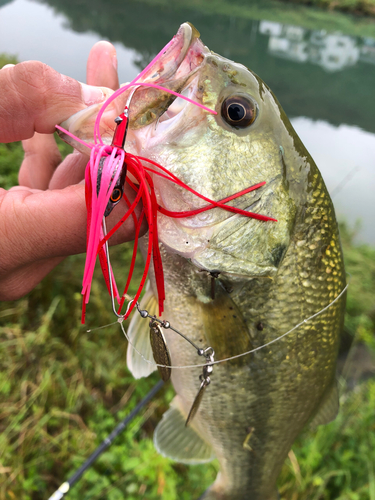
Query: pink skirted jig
<point>105,176</point>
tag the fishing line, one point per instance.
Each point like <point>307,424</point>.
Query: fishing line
<point>348,177</point>
<point>181,367</point>
<point>100,327</point>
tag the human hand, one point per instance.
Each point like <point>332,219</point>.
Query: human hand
<point>44,218</point>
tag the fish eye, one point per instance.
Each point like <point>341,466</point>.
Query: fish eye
<point>116,195</point>
<point>239,111</point>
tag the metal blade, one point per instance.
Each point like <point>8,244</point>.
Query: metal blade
<point>197,401</point>
<point>160,351</point>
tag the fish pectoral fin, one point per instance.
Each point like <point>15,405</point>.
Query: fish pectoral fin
<point>139,336</point>
<point>328,408</point>
<point>178,442</point>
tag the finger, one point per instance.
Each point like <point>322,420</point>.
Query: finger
<point>102,66</point>
<point>49,224</point>
<point>42,156</point>
<point>34,98</point>
<point>19,283</point>
<point>70,171</point>
<point>8,66</point>
<point>23,189</point>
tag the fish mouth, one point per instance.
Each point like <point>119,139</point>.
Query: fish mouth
<point>175,69</point>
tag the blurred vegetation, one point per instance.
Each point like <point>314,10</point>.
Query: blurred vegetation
<point>63,388</point>
<point>7,59</point>
<point>163,16</point>
<point>359,7</point>
<point>10,154</point>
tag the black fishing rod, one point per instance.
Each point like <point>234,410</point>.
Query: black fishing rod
<point>66,486</point>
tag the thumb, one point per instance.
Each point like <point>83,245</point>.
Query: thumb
<point>35,98</point>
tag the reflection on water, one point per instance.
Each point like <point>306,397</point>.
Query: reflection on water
<point>42,34</point>
<point>331,51</point>
<point>333,84</point>
<point>307,89</point>
<point>346,157</point>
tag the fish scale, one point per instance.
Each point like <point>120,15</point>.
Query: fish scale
<point>283,404</point>
<point>275,391</point>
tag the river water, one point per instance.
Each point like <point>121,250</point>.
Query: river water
<point>325,81</point>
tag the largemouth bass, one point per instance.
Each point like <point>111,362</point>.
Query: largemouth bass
<point>235,283</point>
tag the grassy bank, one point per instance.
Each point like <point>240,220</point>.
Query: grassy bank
<point>63,389</point>
<point>330,15</point>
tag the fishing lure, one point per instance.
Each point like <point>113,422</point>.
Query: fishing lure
<point>163,362</point>
<point>160,350</point>
<point>106,172</point>
<point>105,176</point>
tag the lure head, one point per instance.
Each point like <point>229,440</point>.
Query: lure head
<point>118,141</point>
<point>118,189</point>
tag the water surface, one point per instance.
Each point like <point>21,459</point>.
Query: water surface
<point>324,80</point>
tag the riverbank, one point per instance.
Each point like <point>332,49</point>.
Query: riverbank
<point>350,17</point>
<point>356,7</point>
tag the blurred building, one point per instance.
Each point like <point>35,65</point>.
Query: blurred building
<point>331,51</point>
<point>367,51</point>
<point>334,51</point>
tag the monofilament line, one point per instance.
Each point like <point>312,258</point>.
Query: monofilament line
<point>244,353</point>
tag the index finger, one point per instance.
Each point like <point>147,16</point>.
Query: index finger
<point>35,98</point>
<point>102,66</point>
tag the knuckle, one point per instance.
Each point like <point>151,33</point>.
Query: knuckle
<point>9,290</point>
<point>34,73</point>
<point>32,80</point>
<point>55,158</point>
<point>15,285</point>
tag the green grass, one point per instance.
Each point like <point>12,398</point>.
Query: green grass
<point>7,59</point>
<point>63,389</point>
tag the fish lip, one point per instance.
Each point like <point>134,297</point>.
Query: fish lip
<point>177,50</point>
<point>173,64</point>
<point>174,70</point>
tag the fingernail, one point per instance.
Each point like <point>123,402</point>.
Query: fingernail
<point>115,62</point>
<point>8,66</point>
<point>91,95</point>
